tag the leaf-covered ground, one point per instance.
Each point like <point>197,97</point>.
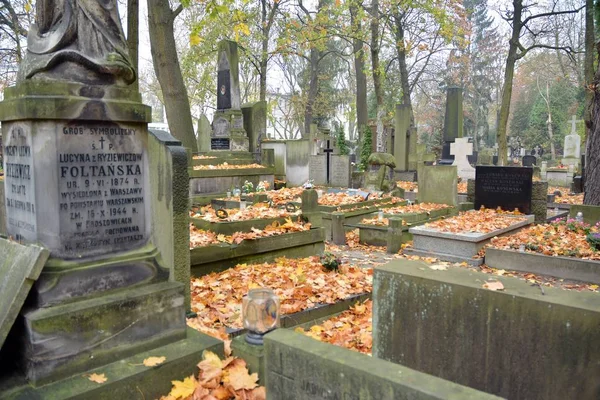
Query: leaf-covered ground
<point>201,238</point>
<point>480,221</point>
<point>255,211</point>
<point>218,380</point>
<point>565,196</point>
<point>299,283</point>
<point>351,329</point>
<point>227,166</point>
<point>562,238</point>
<point>414,186</point>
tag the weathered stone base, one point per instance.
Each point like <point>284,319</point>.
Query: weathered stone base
<point>62,340</point>
<point>300,368</point>
<point>65,281</point>
<point>519,343</point>
<point>561,267</point>
<point>127,378</point>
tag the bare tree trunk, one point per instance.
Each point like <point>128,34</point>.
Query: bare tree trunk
<point>402,68</point>
<point>549,120</point>
<point>592,155</point>
<point>267,20</point>
<point>362,112</point>
<point>380,143</point>
<point>312,90</point>
<point>509,72</point>
<point>588,66</point>
<point>133,34</point>
<point>168,72</point>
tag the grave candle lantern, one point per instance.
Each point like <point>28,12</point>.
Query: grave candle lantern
<point>260,312</point>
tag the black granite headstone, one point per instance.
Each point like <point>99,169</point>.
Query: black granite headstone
<point>223,90</point>
<point>219,144</point>
<point>504,187</point>
<point>529,161</point>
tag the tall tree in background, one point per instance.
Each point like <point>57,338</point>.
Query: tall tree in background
<point>378,73</point>
<point>161,20</point>
<point>483,49</point>
<point>362,116</point>
<point>592,153</point>
<point>15,18</point>
<point>528,30</point>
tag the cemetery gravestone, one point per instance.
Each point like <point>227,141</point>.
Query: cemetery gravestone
<point>572,145</point>
<point>78,183</point>
<point>453,122</point>
<point>529,161</point>
<point>401,136</point>
<point>460,149</point>
<point>255,123</point>
<point>318,169</point>
<point>340,171</point>
<point>204,132</point>
<point>506,187</point>
<point>228,123</point>
<point>438,184</point>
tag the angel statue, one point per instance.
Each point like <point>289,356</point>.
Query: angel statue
<point>78,41</point>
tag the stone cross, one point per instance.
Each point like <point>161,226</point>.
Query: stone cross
<point>574,124</point>
<point>461,149</point>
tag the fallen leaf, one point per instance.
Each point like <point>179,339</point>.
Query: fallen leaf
<point>493,285</point>
<point>239,378</point>
<point>183,389</point>
<point>98,378</point>
<point>154,361</point>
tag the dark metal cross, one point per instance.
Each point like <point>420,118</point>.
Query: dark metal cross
<point>328,152</point>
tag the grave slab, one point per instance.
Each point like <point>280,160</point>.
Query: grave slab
<point>519,343</point>
<point>20,267</point>
<point>456,247</point>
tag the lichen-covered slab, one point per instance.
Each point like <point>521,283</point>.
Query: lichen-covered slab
<point>20,266</point>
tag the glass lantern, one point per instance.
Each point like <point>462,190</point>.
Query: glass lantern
<point>260,312</point>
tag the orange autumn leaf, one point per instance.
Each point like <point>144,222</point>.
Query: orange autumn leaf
<point>153,361</point>
<point>239,378</point>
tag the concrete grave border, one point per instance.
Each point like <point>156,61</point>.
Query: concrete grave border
<point>560,267</point>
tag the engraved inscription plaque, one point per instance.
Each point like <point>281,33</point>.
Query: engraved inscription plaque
<point>219,144</point>
<point>19,183</point>
<point>79,189</point>
<point>221,127</point>
<point>101,174</point>
<point>505,187</point>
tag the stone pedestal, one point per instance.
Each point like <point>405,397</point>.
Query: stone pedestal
<point>228,132</point>
<point>78,183</point>
<point>453,122</point>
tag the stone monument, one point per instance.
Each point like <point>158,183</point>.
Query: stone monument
<point>228,124</point>
<point>461,149</point>
<point>402,136</point>
<point>79,184</point>
<point>453,122</point>
<point>572,145</point>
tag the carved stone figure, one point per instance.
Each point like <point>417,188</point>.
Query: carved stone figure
<point>79,41</point>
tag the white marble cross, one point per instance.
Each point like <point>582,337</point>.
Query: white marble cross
<point>574,124</point>
<point>461,149</point>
